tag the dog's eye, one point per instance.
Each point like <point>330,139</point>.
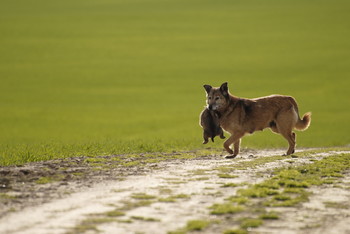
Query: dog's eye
<point>209,97</point>
<point>217,98</point>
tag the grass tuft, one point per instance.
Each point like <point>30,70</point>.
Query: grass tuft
<point>197,225</point>
<point>251,223</point>
<point>269,216</point>
<point>225,208</point>
<point>115,213</point>
<point>227,176</point>
<point>142,196</point>
<point>235,231</point>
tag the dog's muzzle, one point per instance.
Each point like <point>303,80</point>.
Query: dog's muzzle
<point>212,107</point>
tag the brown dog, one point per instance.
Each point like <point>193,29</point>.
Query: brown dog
<point>211,126</point>
<point>240,116</point>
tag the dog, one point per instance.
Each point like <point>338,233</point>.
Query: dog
<point>241,116</point>
<point>209,121</point>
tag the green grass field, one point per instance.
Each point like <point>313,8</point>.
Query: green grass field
<point>106,77</point>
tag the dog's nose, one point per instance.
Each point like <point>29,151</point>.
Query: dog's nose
<point>210,107</point>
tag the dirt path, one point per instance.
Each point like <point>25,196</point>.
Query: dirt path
<point>160,197</point>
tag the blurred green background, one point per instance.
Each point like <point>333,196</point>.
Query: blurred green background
<point>106,77</point>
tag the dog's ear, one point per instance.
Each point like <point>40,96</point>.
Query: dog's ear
<point>207,88</point>
<point>224,89</point>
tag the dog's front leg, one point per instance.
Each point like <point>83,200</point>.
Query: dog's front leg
<point>233,139</point>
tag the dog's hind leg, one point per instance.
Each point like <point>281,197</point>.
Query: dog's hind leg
<point>236,140</point>
<point>290,137</point>
<point>291,140</point>
<point>285,123</point>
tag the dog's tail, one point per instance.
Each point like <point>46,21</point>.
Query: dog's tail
<point>304,123</point>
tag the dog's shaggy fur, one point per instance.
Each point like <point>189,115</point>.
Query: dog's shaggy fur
<point>240,116</point>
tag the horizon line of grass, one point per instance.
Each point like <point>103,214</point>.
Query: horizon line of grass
<point>23,153</point>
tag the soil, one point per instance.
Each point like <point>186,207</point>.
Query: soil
<point>76,196</point>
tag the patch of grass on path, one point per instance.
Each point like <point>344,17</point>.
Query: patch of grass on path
<point>288,187</point>
<point>192,226</point>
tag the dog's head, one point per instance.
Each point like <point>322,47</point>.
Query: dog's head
<point>217,98</point>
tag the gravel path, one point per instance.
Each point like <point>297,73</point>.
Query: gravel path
<point>159,197</point>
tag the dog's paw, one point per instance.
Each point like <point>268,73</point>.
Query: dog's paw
<point>230,156</point>
<point>289,152</point>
